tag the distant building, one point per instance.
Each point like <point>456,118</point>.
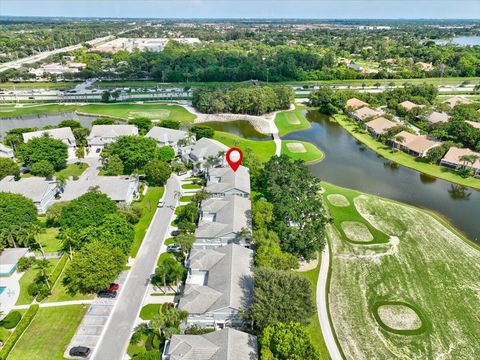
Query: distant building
<point>224,181</point>
<point>354,66</point>
<point>355,103</point>
<point>226,344</point>
<point>379,126</point>
<point>457,100</point>
<point>170,137</point>
<point>453,159</point>
<point>65,135</point>
<point>141,44</point>
<point>42,192</point>
<point>224,221</point>
<point>474,124</point>
<point>425,66</point>
<point>101,135</point>
<point>218,286</point>
<point>417,145</point>
<point>437,117</point>
<point>366,113</point>
<point>408,105</point>
<point>6,152</point>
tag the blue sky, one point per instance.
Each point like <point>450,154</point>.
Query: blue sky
<point>407,9</point>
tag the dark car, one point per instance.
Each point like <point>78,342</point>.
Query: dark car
<point>175,232</point>
<point>80,351</point>
<point>107,294</point>
<point>174,248</point>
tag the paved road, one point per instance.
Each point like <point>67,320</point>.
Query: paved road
<point>322,307</point>
<point>117,334</point>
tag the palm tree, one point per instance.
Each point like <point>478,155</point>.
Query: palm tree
<point>469,159</point>
<point>33,232</point>
<point>8,237</point>
<point>167,323</point>
<point>68,241</point>
<point>43,266</point>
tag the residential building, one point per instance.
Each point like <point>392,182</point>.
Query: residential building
<point>224,221</point>
<point>457,100</point>
<point>224,181</point>
<point>437,117</point>
<point>453,159</point>
<point>219,284</point>
<point>366,113</point>
<point>355,104</point>
<point>203,153</point>
<point>417,145</point>
<point>9,259</point>
<point>42,192</point>
<point>408,105</point>
<point>170,137</point>
<point>354,66</point>
<point>6,152</point>
<point>226,344</point>
<point>101,135</point>
<point>121,189</point>
<point>380,126</point>
<point>425,66</point>
<point>65,135</point>
<point>475,124</point>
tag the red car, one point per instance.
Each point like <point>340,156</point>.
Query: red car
<point>114,287</point>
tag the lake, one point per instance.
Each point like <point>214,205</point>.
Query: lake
<point>42,120</point>
<point>240,128</point>
<point>350,164</point>
<point>460,40</point>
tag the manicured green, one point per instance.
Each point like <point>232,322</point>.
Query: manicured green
<point>149,311</point>
<point>403,158</point>
<point>311,155</point>
<point>426,265</point>
<point>28,278</point>
<point>148,204</point>
<point>72,170</point>
<point>314,327</point>
<point>288,121</point>
<point>49,333</point>
<point>263,150</point>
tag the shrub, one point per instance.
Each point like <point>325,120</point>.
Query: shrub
<point>58,269</point>
<point>22,325</point>
<point>11,320</point>
<point>25,263</point>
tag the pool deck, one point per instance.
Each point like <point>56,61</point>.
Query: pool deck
<point>10,294</point>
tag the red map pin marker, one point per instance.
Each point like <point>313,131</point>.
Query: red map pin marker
<point>234,158</point>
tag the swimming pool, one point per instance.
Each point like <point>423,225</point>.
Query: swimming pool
<point>2,288</point>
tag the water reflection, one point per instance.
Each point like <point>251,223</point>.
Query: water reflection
<point>240,128</point>
<point>459,192</point>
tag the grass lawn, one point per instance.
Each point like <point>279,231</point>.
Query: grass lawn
<point>60,293</point>
<point>73,170</point>
<point>314,328</point>
<point>163,257</point>
<point>27,279</point>
<point>426,265</point>
<point>39,85</point>
<point>403,158</point>
<point>49,333</point>
<point>12,111</point>
<point>49,241</point>
<point>186,198</point>
<point>264,150</point>
<point>149,205</point>
<point>149,311</point>
<point>288,121</point>
<point>191,186</point>
<point>311,152</point>
<point>169,241</point>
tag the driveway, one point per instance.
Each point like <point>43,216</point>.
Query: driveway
<point>116,335</point>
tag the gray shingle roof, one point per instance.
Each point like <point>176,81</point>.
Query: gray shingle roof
<point>229,281</point>
<point>224,179</point>
<point>230,214</point>
<point>226,344</point>
<point>64,134</point>
<point>166,135</point>
<point>205,148</point>
<point>34,188</point>
<point>110,131</point>
<point>115,187</point>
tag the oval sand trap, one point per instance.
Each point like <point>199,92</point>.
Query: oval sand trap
<point>399,317</point>
<point>338,200</point>
<point>296,148</point>
<point>356,231</point>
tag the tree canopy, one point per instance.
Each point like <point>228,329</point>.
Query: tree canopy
<point>134,151</point>
<point>16,211</point>
<point>44,148</point>
<point>8,167</point>
<point>157,172</point>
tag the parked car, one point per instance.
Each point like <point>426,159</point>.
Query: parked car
<point>161,204</point>
<point>174,248</point>
<point>80,351</point>
<point>175,233</point>
<point>109,294</point>
<point>180,173</point>
<point>114,287</point>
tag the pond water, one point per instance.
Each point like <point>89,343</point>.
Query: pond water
<point>240,128</point>
<point>42,120</point>
<point>461,40</point>
<point>350,164</point>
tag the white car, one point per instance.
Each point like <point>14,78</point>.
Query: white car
<point>161,203</point>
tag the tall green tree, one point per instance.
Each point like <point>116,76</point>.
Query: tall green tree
<point>44,148</point>
<point>8,167</point>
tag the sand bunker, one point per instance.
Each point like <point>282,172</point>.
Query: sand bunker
<point>356,231</point>
<point>338,200</point>
<point>296,148</point>
<point>293,119</point>
<point>399,317</point>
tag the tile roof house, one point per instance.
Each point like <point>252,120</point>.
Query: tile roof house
<point>224,181</point>
<point>121,189</point>
<point>201,151</point>
<point>169,137</point>
<point>437,117</point>
<point>65,135</point>
<point>42,192</point>
<point>6,152</point>
<point>380,126</point>
<point>101,135</point>
<point>475,124</point>
<point>425,66</point>
<point>417,145</point>
<point>222,220</point>
<point>355,103</point>
<point>226,344</point>
<point>408,105</point>
<point>457,100</point>
<point>453,159</point>
<point>366,113</point>
<point>218,285</point>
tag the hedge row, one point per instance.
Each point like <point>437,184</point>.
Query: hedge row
<point>22,325</point>
<point>11,320</point>
<point>55,274</point>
